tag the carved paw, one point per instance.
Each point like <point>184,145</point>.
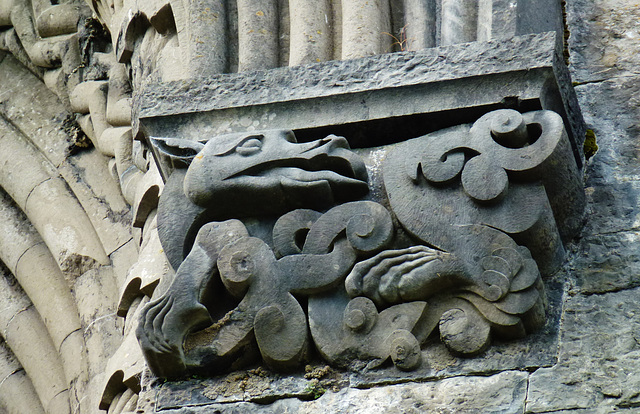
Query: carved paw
<point>164,324</point>
<point>394,276</point>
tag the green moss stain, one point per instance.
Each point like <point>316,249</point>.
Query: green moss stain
<point>590,144</point>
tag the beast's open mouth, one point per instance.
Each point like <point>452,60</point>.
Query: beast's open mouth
<point>287,175</point>
<point>339,170</point>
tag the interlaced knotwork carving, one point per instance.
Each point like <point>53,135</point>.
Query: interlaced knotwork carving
<point>475,215</point>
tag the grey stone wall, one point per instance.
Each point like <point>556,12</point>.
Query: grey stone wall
<point>61,353</point>
<point>594,364</point>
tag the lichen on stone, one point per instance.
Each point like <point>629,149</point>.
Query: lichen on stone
<point>590,144</point>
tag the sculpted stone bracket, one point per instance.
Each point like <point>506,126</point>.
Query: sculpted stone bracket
<point>280,247</point>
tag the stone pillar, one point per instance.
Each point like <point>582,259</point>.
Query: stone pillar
<point>420,23</point>
<point>311,37</point>
<point>459,21</point>
<point>257,34</point>
<point>366,26</point>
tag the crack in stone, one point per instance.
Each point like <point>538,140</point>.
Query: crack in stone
<point>67,337</point>
<point>25,252</point>
<point>26,201</point>
<point>10,375</point>
<point>4,334</point>
<point>589,82</point>
<point>609,233</point>
<point>613,290</point>
<point>121,246</point>
<point>110,315</point>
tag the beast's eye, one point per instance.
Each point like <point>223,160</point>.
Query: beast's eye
<point>250,145</point>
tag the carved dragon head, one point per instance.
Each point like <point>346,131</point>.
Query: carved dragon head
<point>265,173</point>
<point>268,172</point>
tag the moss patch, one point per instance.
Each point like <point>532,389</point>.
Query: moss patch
<point>590,144</point>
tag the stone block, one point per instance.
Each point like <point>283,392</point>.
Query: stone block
<point>598,357</point>
<point>88,176</point>
<point>613,183</point>
<point>504,393</point>
<point>602,39</point>
<point>387,98</point>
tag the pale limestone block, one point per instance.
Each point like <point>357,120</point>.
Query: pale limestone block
<point>26,336</point>
<point>17,235</point>
<point>145,274</point>
<point>22,167</point>
<point>124,369</point>
<point>311,31</point>
<point>100,196</point>
<point>366,25</point>
<point>17,395</point>
<point>96,295</point>
<point>41,122</point>
<point>65,227</point>
<point>57,20</point>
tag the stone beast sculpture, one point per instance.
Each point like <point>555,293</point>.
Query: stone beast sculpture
<point>247,175</point>
<point>480,212</point>
<point>486,206</point>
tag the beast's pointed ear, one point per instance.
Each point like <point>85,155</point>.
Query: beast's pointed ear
<point>180,152</point>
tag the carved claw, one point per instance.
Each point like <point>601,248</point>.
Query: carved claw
<point>167,320</point>
<point>413,273</point>
<point>165,323</point>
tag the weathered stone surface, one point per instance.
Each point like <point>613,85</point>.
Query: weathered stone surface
<point>603,39</point>
<point>87,175</point>
<point>610,236</point>
<point>42,123</point>
<point>384,86</point>
<point>421,176</point>
<point>96,294</point>
<point>145,274</point>
<point>480,281</point>
<point>537,350</point>
<point>256,385</point>
<point>16,390</point>
<point>598,357</point>
<point>600,258</point>
<point>124,369</point>
<point>504,393</point>
<point>612,175</point>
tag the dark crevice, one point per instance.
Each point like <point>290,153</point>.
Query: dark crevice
<point>612,290</point>
<point>567,33</point>
<point>378,132</point>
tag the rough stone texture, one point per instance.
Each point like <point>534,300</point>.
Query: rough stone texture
<point>599,356</point>
<point>598,353</point>
<point>427,82</point>
<point>603,38</point>
<point>597,363</point>
<point>503,393</point>
<point>43,122</point>
<point>100,196</point>
<point>603,44</point>
<point>344,77</point>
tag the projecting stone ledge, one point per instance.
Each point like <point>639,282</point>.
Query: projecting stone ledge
<point>417,92</point>
<point>504,392</point>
